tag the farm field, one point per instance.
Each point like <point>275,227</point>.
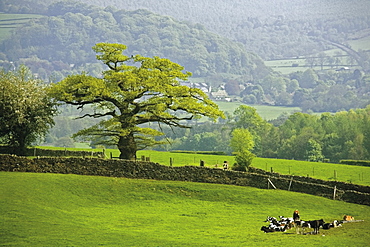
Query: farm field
<point>71,210</point>
<point>9,22</point>
<point>266,112</point>
<point>325,171</point>
<point>285,65</point>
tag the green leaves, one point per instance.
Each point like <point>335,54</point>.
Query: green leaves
<point>26,110</point>
<point>242,143</point>
<point>134,91</point>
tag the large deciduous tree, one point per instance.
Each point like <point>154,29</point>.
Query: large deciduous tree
<point>26,110</point>
<point>133,92</point>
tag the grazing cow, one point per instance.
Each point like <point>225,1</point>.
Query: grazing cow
<point>289,219</point>
<point>315,225</point>
<point>276,226</point>
<point>267,229</point>
<point>327,226</point>
<point>348,218</point>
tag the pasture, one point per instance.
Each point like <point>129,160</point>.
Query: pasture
<point>285,65</point>
<point>72,210</point>
<point>266,112</point>
<point>9,22</point>
<point>325,171</point>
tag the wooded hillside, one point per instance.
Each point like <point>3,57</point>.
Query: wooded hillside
<point>272,28</point>
<point>65,36</point>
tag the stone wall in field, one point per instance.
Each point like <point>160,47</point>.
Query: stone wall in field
<point>53,152</point>
<point>149,170</point>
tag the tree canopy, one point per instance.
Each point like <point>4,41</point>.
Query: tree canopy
<point>26,110</point>
<point>133,92</point>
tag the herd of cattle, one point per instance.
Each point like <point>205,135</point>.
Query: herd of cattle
<point>282,224</point>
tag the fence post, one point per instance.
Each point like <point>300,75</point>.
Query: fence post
<point>271,183</point>
<point>290,184</point>
<point>335,190</point>
<point>171,161</point>
<point>201,162</point>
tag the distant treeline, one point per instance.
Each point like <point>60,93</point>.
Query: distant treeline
<point>326,137</point>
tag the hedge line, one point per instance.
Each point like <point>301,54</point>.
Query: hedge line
<point>53,152</point>
<point>356,162</point>
<point>199,152</point>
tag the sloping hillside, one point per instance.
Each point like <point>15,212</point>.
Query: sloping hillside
<point>70,210</point>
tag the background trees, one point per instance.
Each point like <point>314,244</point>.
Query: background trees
<point>242,143</point>
<point>26,110</point>
<point>134,91</point>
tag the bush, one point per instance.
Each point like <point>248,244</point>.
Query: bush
<point>238,167</point>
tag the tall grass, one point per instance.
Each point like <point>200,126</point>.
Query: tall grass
<point>71,210</point>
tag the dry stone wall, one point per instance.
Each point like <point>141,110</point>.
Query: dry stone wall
<point>53,152</point>
<point>149,170</point>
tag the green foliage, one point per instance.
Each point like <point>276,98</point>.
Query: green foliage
<point>356,162</point>
<point>314,151</point>
<point>26,110</point>
<point>242,143</point>
<point>54,209</point>
<point>131,95</point>
<point>69,30</point>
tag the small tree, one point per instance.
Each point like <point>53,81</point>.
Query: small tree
<point>26,110</point>
<point>314,151</point>
<point>241,143</point>
<point>134,92</point>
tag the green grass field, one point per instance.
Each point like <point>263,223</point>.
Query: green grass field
<point>325,171</point>
<point>285,65</point>
<point>9,22</point>
<point>72,210</point>
<point>266,112</point>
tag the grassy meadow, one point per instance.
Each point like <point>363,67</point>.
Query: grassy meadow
<point>72,210</point>
<point>265,111</point>
<point>285,65</point>
<point>9,22</point>
<point>325,171</point>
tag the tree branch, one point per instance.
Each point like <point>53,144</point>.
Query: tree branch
<point>98,115</point>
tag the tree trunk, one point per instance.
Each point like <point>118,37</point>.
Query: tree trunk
<point>127,147</point>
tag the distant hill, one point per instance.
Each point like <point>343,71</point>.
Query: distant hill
<point>64,38</point>
<point>272,28</point>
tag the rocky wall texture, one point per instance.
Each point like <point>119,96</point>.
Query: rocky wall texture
<point>53,152</point>
<point>149,170</point>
